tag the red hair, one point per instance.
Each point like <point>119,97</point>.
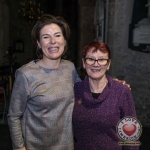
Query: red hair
<point>96,46</point>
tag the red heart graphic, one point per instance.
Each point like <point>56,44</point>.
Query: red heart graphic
<point>129,129</point>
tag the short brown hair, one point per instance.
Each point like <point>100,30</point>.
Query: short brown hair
<point>45,20</point>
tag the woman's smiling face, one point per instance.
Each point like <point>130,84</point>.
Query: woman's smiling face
<point>96,71</point>
<point>51,42</point>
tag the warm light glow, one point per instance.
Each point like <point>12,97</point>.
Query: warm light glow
<point>30,11</point>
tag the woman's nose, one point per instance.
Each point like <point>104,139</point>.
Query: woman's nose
<point>96,63</point>
<point>53,40</point>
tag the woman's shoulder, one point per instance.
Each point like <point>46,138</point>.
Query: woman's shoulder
<point>67,66</point>
<point>27,67</point>
<point>65,62</point>
<point>116,85</point>
<point>78,89</point>
<point>79,85</point>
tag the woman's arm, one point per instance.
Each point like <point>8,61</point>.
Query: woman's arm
<point>76,76</point>
<point>16,110</point>
<point>123,82</point>
<point>128,109</point>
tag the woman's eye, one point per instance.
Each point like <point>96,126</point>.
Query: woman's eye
<point>91,59</point>
<point>44,37</point>
<point>101,60</point>
<point>58,35</point>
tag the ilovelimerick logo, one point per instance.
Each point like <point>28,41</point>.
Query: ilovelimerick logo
<point>129,129</point>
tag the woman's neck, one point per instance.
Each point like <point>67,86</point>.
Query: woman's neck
<point>50,64</point>
<point>97,85</point>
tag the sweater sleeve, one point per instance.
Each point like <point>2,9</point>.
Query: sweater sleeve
<point>76,76</point>
<point>128,109</point>
<point>17,108</point>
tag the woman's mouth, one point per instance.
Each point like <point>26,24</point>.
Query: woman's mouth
<point>53,49</point>
<point>96,70</point>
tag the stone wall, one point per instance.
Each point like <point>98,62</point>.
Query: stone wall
<point>132,66</point>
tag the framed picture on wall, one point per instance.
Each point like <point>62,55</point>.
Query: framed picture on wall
<point>19,46</point>
<point>139,28</point>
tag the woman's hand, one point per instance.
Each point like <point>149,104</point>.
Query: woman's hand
<point>20,148</point>
<point>123,82</point>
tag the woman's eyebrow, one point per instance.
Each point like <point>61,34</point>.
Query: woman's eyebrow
<point>44,35</point>
<point>58,33</point>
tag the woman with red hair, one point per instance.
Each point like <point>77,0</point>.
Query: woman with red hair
<point>100,103</point>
